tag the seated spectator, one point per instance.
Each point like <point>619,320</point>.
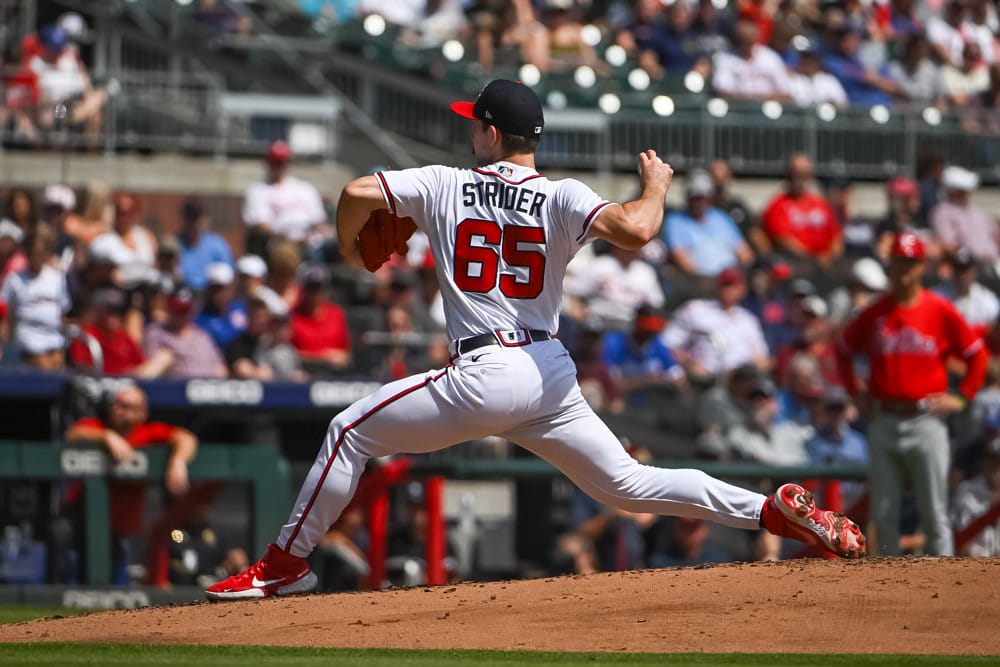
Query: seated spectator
<point>101,268</point>
<point>281,205</point>
<point>800,222</point>
<point>858,231</point>
<point>120,431</point>
<point>903,215</point>
<point>126,225</point>
<point>638,361</point>
<point>120,354</point>
<point>977,304</point>
<point>762,438</point>
<point>811,334</point>
<point>751,70</point>
<point>613,286</point>
<point>944,32</point>
<point>899,22</point>
<point>223,318</point>
<point>915,72</point>
<point>734,206</point>
<point>722,407</point>
<point>95,218</point>
<point>765,298</point>
<point>866,282</point>
<point>251,355</point>
<point>803,385</point>
<point>63,79</point>
<point>58,203</point>
<point>251,272</point>
<point>683,542</point>
<point>811,85</point>
<point>408,349</point>
<point>864,85</point>
<point>958,223</point>
<point>973,498</point>
<point>319,326</point>
<point>962,85</point>
<point>34,301</point>
<point>834,442</point>
<point>199,247</point>
<point>168,260</point>
<point>508,25</point>
<point>283,261</point>
<point>20,208</point>
<point>710,336</point>
<point>180,348</point>
<point>12,259</point>
<point>564,33</point>
<point>704,240</point>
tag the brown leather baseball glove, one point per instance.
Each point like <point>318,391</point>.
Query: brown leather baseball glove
<point>382,235</point>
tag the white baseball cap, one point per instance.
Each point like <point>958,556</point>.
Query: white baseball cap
<point>252,265</point>
<point>275,304</point>
<point>10,230</point>
<point>870,273</point>
<point>958,178</point>
<point>815,305</point>
<point>218,274</point>
<point>60,195</point>
<point>109,249</point>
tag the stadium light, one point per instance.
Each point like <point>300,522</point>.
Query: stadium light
<point>694,82</point>
<point>529,75</point>
<point>374,25</point>
<point>880,114</point>
<point>772,109</point>
<point>453,50</point>
<point>826,112</point>
<point>932,116</point>
<point>663,105</point>
<point>717,107</point>
<point>638,79</point>
<point>556,99</point>
<point>590,34</point>
<point>615,55</point>
<point>584,76</point>
<point>609,103</point>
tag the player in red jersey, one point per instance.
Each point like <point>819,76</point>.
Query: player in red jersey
<point>907,336</point>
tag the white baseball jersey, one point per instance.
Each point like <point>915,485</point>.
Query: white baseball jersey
<point>501,237</point>
<point>292,207</point>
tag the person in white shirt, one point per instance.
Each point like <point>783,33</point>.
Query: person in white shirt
<point>945,33</point>
<point>613,287</point>
<point>708,336</point>
<point>751,71</point>
<point>35,300</point>
<point>282,205</point>
<point>973,498</point>
<point>811,85</point>
<point>977,304</point>
<point>962,84</point>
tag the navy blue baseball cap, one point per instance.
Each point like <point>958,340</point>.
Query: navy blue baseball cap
<point>510,106</point>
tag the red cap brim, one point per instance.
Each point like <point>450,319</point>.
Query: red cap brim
<point>464,109</point>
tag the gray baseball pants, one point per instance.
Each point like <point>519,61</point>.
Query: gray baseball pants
<point>912,450</point>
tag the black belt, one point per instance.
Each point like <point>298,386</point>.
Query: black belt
<point>515,338</point>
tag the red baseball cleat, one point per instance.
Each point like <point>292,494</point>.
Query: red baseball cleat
<point>813,525</point>
<point>277,573</point>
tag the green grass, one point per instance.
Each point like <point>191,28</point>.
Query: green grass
<point>241,656</point>
<point>17,614</point>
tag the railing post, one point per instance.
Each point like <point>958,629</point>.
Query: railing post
<point>434,496</point>
<point>378,526</point>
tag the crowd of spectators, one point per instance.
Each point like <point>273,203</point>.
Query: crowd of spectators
<point>715,341</point>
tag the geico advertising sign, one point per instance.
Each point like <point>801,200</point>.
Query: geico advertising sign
<point>89,462</point>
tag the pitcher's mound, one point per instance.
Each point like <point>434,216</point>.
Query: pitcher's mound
<point>939,606</point>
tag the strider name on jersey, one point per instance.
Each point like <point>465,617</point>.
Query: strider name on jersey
<point>497,194</point>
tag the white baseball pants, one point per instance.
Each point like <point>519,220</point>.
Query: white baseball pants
<point>526,394</point>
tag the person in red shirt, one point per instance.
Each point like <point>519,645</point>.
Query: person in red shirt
<point>121,430</point>
<point>319,326</point>
<point>802,223</point>
<point>908,336</point>
<point>121,355</point>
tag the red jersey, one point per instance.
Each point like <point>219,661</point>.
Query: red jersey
<point>121,353</point>
<point>907,348</point>
<point>127,498</point>
<point>807,219</point>
<point>326,329</point>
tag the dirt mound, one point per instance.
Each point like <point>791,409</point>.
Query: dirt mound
<point>934,606</point>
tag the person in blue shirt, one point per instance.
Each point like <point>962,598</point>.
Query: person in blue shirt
<point>223,318</point>
<point>704,240</point>
<point>638,361</point>
<point>834,442</point>
<point>199,247</point>
<point>865,87</point>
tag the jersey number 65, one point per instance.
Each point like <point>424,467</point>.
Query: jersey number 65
<point>487,256</point>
